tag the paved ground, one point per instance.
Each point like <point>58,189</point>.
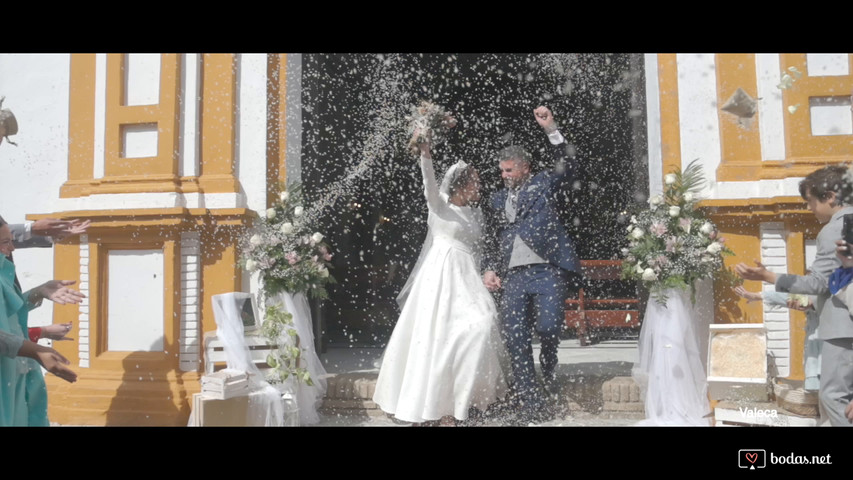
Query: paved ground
<point>604,360</point>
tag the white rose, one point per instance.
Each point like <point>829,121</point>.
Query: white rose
<point>639,267</point>
<point>649,275</point>
<point>324,272</point>
<point>270,213</point>
<point>297,211</point>
<point>286,228</point>
<point>674,211</point>
<point>629,228</point>
<point>317,237</point>
<point>669,179</point>
<point>656,200</point>
<point>251,265</point>
<point>714,248</point>
<point>706,228</point>
<point>283,196</point>
<point>637,233</point>
<point>255,240</point>
<point>688,197</point>
<point>633,219</point>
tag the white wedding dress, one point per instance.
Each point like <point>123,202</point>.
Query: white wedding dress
<point>445,353</point>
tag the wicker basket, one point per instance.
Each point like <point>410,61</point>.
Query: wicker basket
<point>796,400</point>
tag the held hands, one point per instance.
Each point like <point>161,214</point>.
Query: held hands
<point>57,291</point>
<point>758,272</point>
<point>545,119</point>
<point>491,281</point>
<point>842,251</point>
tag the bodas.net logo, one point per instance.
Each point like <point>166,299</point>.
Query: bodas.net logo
<point>751,458</point>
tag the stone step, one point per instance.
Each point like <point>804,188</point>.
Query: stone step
<point>352,393</point>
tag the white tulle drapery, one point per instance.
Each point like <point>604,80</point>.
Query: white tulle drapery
<point>671,371</point>
<point>308,398</point>
<point>265,402</point>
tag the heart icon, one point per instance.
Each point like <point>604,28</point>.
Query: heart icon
<point>752,457</point>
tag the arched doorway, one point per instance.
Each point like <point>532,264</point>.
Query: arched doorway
<point>353,129</point>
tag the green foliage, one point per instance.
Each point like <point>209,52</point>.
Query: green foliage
<point>286,358</point>
<point>671,243</point>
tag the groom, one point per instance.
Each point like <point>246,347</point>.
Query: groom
<point>533,260</point>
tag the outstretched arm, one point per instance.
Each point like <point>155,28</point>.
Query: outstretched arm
<point>428,171</point>
<point>564,158</point>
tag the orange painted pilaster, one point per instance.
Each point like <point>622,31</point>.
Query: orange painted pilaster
<point>740,139</point>
<point>81,125</point>
<point>670,132</point>
<point>219,88</point>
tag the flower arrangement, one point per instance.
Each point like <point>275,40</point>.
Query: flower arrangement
<point>278,330</point>
<point>671,243</point>
<point>428,122</point>
<point>288,252</point>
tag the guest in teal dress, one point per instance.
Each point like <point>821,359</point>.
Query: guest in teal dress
<point>23,393</point>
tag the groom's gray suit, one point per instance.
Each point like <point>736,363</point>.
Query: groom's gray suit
<point>836,325</point>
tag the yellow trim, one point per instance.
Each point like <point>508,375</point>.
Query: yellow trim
<point>744,241</point>
<point>109,391</point>
<point>159,173</point>
<point>801,146</point>
<point>219,87</point>
<point>796,258</point>
<point>81,125</point>
<point>164,115</point>
<point>670,132</point>
<point>740,141</point>
<point>277,118</point>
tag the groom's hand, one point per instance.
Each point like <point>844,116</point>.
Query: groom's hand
<point>545,119</point>
<point>491,281</point>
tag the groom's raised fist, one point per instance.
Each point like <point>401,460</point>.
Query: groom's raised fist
<point>545,119</point>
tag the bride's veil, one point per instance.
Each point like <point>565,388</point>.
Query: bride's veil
<point>444,193</point>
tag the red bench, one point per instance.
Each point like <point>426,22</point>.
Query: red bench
<point>584,313</point>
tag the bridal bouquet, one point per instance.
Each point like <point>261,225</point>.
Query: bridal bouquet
<point>671,243</point>
<point>430,122</point>
<point>286,249</point>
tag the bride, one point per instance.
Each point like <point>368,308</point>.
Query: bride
<point>444,355</point>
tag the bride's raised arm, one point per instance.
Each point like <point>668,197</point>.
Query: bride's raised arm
<point>428,171</point>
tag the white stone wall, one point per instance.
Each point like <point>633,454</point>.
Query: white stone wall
<point>776,320</point>
<point>36,90</point>
<point>190,340</point>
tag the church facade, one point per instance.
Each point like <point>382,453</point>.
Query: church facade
<point>170,155</point>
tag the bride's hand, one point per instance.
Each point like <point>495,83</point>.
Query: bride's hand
<point>491,281</point>
<point>419,145</point>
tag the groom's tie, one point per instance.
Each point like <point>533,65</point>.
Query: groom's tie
<point>512,204</point>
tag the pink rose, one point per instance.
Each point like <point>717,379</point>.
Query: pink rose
<point>291,257</point>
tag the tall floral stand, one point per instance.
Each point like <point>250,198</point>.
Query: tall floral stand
<point>308,398</point>
<point>671,371</point>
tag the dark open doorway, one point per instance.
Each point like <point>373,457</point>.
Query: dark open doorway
<point>378,225</point>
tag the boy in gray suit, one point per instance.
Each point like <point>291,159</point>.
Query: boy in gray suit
<point>825,191</point>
